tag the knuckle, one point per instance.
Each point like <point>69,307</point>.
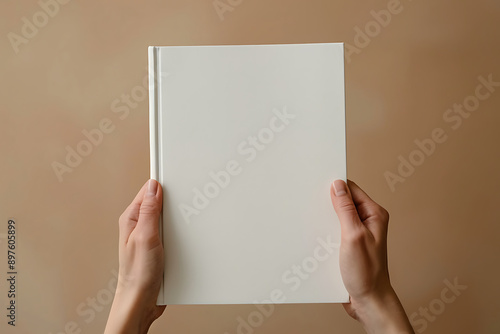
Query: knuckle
<point>345,205</point>
<point>124,219</point>
<point>382,214</point>
<point>150,208</point>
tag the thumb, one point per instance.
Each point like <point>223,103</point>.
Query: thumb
<point>344,207</point>
<point>149,212</point>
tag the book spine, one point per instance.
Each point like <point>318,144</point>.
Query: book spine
<point>153,111</point>
<point>344,113</point>
<point>154,143</point>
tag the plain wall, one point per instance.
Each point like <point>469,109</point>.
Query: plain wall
<point>400,82</point>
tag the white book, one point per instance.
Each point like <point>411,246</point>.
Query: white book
<point>245,141</point>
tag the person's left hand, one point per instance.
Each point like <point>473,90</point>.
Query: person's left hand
<point>141,264</point>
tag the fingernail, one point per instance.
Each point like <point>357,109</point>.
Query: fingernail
<point>340,187</point>
<point>152,188</point>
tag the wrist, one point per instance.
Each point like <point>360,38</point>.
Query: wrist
<point>382,312</point>
<point>129,314</point>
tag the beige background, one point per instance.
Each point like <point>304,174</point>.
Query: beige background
<point>444,223</point>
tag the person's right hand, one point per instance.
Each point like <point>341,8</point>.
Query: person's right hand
<point>363,261</point>
<point>141,264</point>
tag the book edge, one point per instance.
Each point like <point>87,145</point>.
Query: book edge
<point>153,137</point>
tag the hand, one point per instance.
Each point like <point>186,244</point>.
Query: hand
<point>363,261</point>
<point>141,264</point>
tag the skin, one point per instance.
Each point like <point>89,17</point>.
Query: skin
<point>140,264</point>
<point>363,263</point>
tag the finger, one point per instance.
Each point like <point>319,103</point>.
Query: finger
<point>150,209</point>
<point>345,208</point>
<point>130,216</point>
<point>372,215</point>
<point>365,205</point>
